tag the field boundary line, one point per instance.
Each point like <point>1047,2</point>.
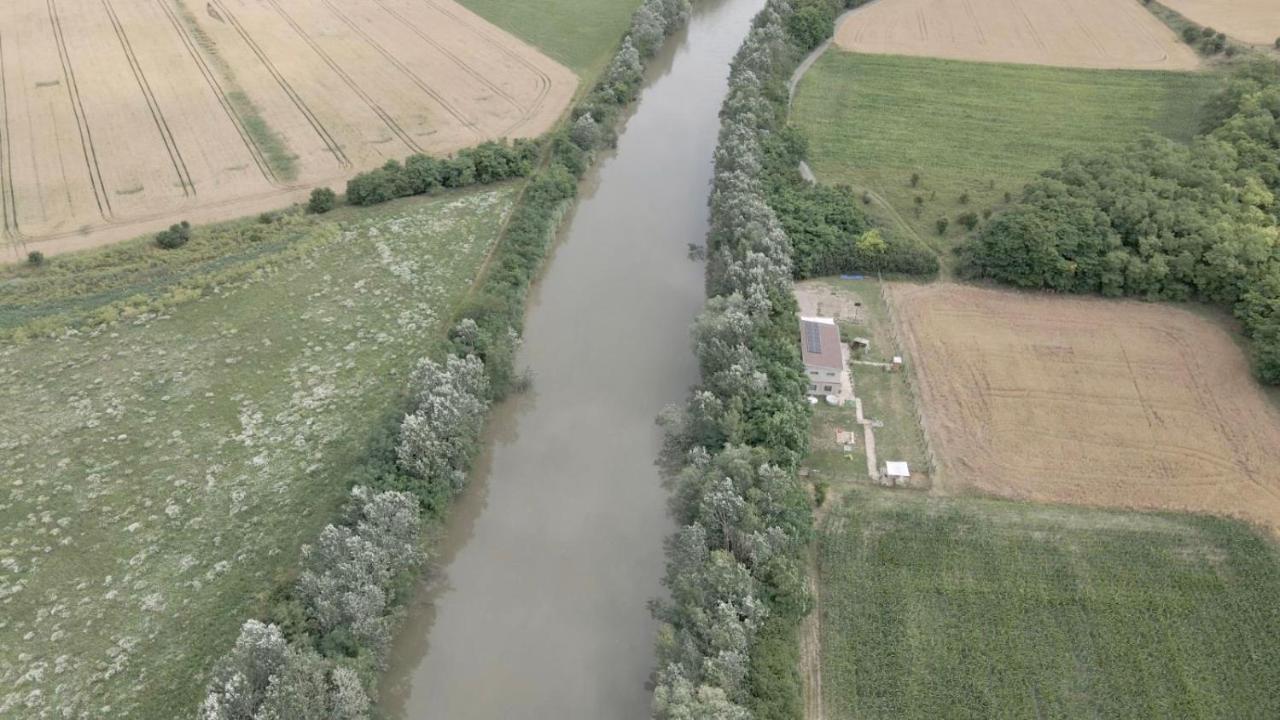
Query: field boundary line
<point>377,109</point>
<point>82,120</point>
<point>544,80</point>
<point>325,136</point>
<point>254,151</point>
<point>406,71</point>
<point>153,105</point>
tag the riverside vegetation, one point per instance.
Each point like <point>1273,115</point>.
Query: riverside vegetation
<point>318,653</point>
<point>727,646</point>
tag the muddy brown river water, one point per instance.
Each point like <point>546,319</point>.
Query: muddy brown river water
<point>537,605</point>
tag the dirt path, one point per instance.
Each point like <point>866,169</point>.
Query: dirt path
<point>811,635</point>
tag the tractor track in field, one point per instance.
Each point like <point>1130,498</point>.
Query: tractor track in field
<point>431,92</point>
<point>325,136</point>
<point>543,79</point>
<point>82,122</point>
<point>372,104</point>
<point>210,77</point>
<point>153,105</point>
<point>8,200</point>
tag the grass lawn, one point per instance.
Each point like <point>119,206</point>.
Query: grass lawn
<point>162,472</point>
<point>978,128</point>
<point>968,608</point>
<point>581,34</point>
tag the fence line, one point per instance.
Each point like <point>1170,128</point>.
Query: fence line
<point>930,455</point>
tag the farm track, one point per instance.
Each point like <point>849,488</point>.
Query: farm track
<point>325,136</point>
<point>373,105</point>
<point>255,152</point>
<point>409,73</point>
<point>543,79</point>
<point>101,196</point>
<point>153,105</point>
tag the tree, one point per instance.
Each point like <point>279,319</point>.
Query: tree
<point>586,132</point>
<point>175,237</point>
<point>647,29</point>
<point>322,201</point>
<point>35,258</point>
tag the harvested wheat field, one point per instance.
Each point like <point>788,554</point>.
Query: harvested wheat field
<point>117,117</point>
<point>1253,21</point>
<point>1090,401</point>
<point>1070,33</point>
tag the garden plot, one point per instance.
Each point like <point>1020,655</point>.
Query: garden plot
<point>1090,401</point>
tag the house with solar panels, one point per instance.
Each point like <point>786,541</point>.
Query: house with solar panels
<point>823,355</point>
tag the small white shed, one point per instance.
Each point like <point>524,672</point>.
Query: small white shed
<point>897,473</point>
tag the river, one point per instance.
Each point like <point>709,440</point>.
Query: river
<point>537,604</point>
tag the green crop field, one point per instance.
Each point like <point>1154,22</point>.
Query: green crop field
<point>968,608</point>
<point>581,34</point>
<point>161,472</point>
<point>978,128</point>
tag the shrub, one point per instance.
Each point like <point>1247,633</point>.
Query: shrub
<point>969,220</point>
<point>322,201</point>
<point>175,237</point>
<point>915,179</point>
<point>35,258</point>
<point>964,198</point>
<point>941,225</point>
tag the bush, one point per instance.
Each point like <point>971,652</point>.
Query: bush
<point>969,220</point>
<point>322,201</point>
<point>175,237</point>
<point>942,224</point>
<point>35,258</point>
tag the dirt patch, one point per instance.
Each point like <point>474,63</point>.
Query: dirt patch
<point>121,117</point>
<point>1253,21</point>
<point>1089,401</point>
<point>1071,33</point>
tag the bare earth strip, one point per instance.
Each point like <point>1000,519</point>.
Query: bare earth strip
<point>127,115</point>
<point>1253,21</point>
<point>1090,401</point>
<point>1071,33</point>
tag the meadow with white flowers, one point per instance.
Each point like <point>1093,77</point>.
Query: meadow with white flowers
<point>163,470</point>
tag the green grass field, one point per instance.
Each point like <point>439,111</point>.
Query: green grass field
<point>977,128</point>
<point>967,608</point>
<point>162,472</point>
<point>581,34</point>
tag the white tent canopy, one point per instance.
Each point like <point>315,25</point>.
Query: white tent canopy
<point>896,469</point>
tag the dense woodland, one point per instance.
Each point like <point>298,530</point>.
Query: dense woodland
<point>1161,220</point>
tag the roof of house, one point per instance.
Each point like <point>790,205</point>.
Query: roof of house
<point>820,343</point>
<point>896,469</point>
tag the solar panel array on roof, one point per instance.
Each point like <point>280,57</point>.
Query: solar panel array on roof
<point>813,337</point>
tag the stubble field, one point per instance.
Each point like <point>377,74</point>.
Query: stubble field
<point>1073,33</point>
<point>162,472</point>
<point>120,117</point>
<point>1088,401</point>
<point>1253,21</point>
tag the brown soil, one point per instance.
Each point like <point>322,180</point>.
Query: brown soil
<point>118,118</point>
<point>1072,33</point>
<point>1090,401</point>
<point>1253,21</point>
